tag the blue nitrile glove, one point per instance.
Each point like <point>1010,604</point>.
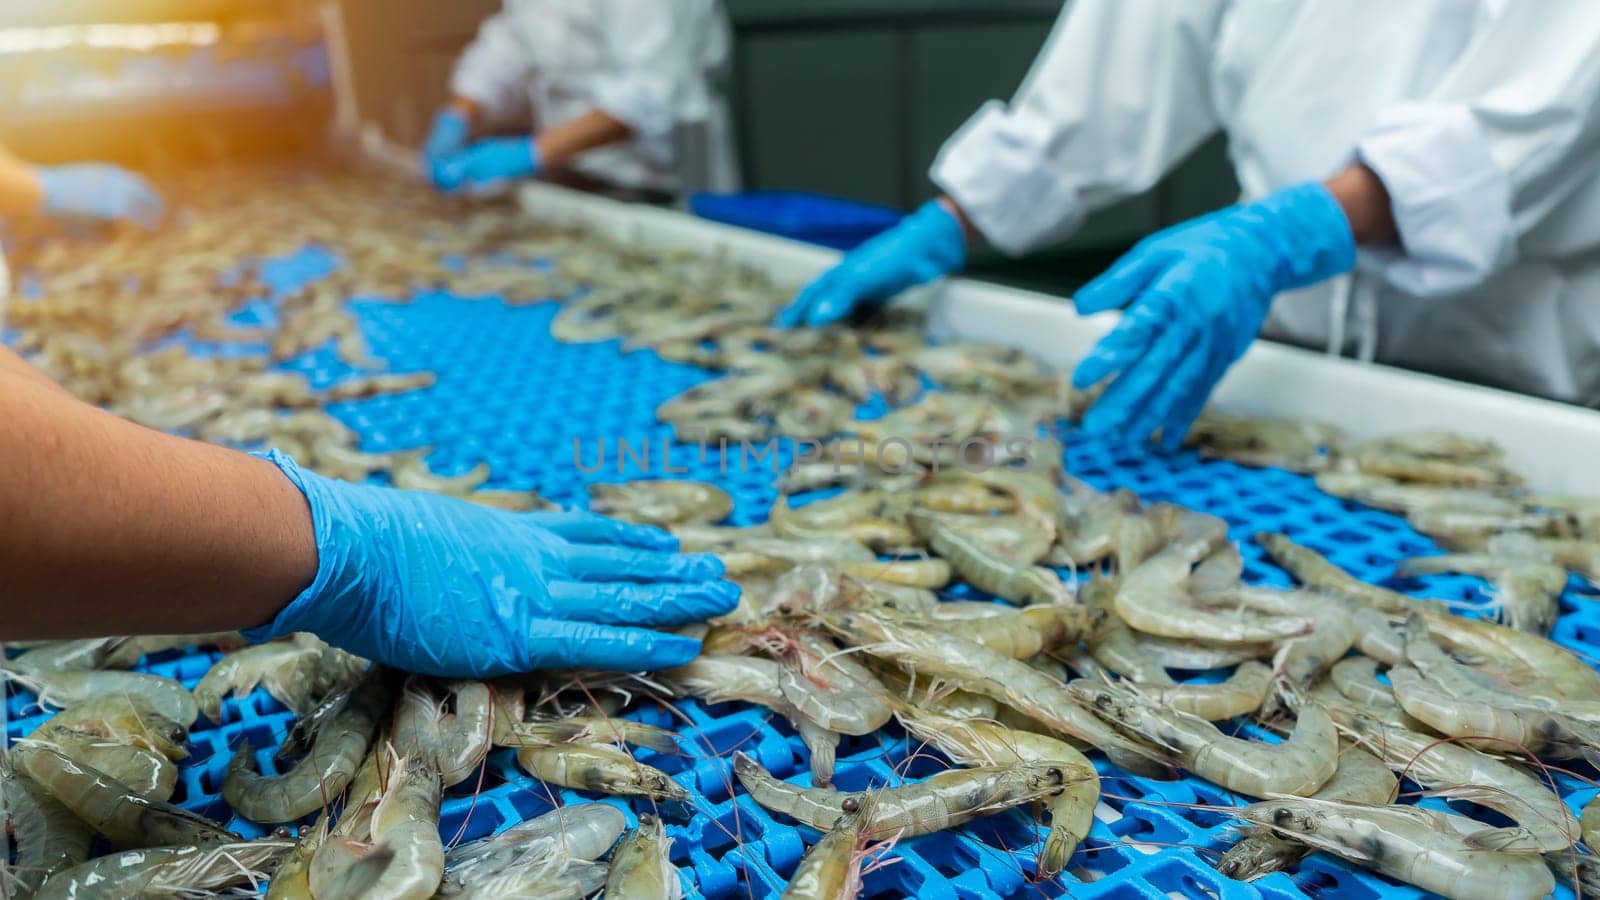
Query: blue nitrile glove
<point>488,162</point>
<point>923,246</point>
<point>1196,296</point>
<point>100,191</point>
<point>444,587</point>
<point>446,137</point>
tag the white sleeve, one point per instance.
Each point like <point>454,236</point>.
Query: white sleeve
<point>494,70</point>
<point>653,75</point>
<point>1120,93</point>
<point>1508,135</point>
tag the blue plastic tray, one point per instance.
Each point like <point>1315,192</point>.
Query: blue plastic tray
<point>509,394</point>
<point>829,221</point>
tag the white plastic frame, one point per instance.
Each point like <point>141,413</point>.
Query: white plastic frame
<point>1557,446</point>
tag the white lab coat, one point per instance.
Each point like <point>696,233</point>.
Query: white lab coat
<point>1482,117</point>
<point>652,64</point>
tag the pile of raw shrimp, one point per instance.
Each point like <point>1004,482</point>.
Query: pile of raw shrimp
<point>847,627</point>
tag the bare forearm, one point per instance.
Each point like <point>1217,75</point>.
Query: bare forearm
<point>1365,201</point>
<point>596,128</point>
<point>20,192</point>
<point>112,528</point>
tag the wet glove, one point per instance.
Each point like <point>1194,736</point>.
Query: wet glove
<point>923,246</point>
<point>1196,295</point>
<point>444,587</point>
<point>487,162</point>
<point>447,137</point>
<point>99,191</point>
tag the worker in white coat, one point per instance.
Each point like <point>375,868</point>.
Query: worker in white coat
<point>621,94</point>
<point>1420,182</point>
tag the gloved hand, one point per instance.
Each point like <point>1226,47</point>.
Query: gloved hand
<point>487,162</point>
<point>446,137</point>
<point>1196,296</point>
<point>100,191</point>
<point>923,246</point>
<point>444,587</point>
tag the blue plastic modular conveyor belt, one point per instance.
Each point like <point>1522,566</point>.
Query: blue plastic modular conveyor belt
<point>509,394</point>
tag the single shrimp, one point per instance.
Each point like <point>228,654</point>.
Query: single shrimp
<point>1162,653</point>
<point>976,742</point>
<point>520,854</point>
<point>406,821</point>
<point>292,880</point>
<point>944,800</point>
<point>662,502</point>
<point>1560,674</point>
<point>1027,632</point>
<point>465,733</point>
<point>832,689</point>
<point>1526,588</point>
<point>1299,661</point>
<point>1314,571</point>
<point>1299,765</point>
<point>1493,721</point>
<point>126,652</point>
<point>285,668</point>
<point>1457,772</point>
<point>1151,599</point>
<point>56,656</point>
<point>588,730</point>
<point>325,770</point>
<point>1421,847</point>
<point>145,772</point>
<point>412,473</point>
<point>1243,692</point>
<point>869,517</point>
<point>913,573</point>
<point>49,837</point>
<point>599,767</point>
<point>640,867</point>
<point>111,807</point>
<point>831,869</point>
<point>1360,778</point>
<point>1020,583</point>
<point>65,688</point>
<point>167,871</point>
<point>122,718</point>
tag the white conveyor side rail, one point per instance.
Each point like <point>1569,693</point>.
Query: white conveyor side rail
<point>1557,446</point>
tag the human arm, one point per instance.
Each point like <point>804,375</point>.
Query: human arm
<point>117,529</point>
<point>1117,95</point>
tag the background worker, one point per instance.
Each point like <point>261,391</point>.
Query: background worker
<point>619,93</point>
<point>1455,143</point>
<point>113,528</point>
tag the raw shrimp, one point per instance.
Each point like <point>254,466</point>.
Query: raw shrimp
<point>914,573</point>
<point>167,871</point>
<point>145,772</point>
<point>61,689</point>
<point>588,730</point>
<point>1299,765</point>
<point>464,734</point>
<point>110,807</point>
<point>1360,778</point>
<point>521,855</point>
<point>326,769</point>
<point>49,837</point>
<point>832,689</point>
<point>662,502</point>
<point>56,656</point>
<point>1162,653</point>
<point>406,821</point>
<point>122,718</point>
<point>1311,569</point>
<point>1149,599</point>
<point>287,669</point>
<point>1526,588</point>
<point>126,652</point>
<point>1432,470</point>
<point>1024,633</point>
<point>1457,772</point>
<point>944,800</point>
<point>1020,583</point>
<point>1560,674</point>
<point>413,474</point>
<point>831,869</point>
<point>640,869</point>
<point>869,517</point>
<point>975,742</point>
<point>599,767</point>
<point>973,667</point>
<point>1493,722</point>
<point>1418,846</point>
<point>1299,661</point>
<point>1244,692</point>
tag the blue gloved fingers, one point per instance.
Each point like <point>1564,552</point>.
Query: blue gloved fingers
<point>447,135</point>
<point>1142,381</point>
<point>834,303</point>
<point>1128,341</point>
<point>655,605</point>
<point>143,205</point>
<point>556,644</point>
<point>596,562</point>
<point>1118,285</point>
<point>799,310</point>
<point>588,528</point>
<point>1174,389</point>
